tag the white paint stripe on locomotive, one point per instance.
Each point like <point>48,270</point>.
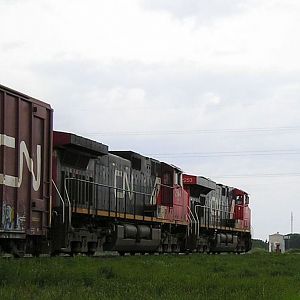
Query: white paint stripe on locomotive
<point>7,141</point>
<point>155,191</point>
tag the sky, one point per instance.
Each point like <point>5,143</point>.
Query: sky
<point>210,86</point>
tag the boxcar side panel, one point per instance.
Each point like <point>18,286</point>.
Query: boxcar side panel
<point>25,168</point>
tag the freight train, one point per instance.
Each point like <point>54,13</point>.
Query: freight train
<point>64,193</point>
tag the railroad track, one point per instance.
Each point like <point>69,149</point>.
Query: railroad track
<point>113,254</point>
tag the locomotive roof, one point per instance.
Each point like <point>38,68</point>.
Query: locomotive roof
<point>70,140</point>
<point>126,154</point>
<point>199,180</point>
<point>176,168</point>
<point>130,155</point>
<point>239,192</point>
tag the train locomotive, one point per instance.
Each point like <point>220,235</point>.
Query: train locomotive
<point>64,193</point>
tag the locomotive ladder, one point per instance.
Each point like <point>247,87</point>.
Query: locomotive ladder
<point>61,199</point>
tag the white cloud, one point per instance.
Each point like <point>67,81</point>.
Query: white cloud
<point>211,98</point>
<point>260,37</point>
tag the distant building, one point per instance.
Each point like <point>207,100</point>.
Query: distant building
<point>292,241</point>
<point>277,243</point>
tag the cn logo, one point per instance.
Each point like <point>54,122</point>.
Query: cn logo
<point>16,182</point>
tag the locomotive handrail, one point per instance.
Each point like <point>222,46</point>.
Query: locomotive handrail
<point>61,199</point>
<point>195,222</point>
<point>207,207</point>
<point>97,184</point>
<point>109,187</point>
<point>69,202</point>
<point>190,221</point>
<point>215,209</point>
<point>191,213</point>
<point>115,188</point>
<point>198,224</point>
<point>171,187</point>
<point>106,185</point>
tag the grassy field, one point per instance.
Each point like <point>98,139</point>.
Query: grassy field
<point>252,276</point>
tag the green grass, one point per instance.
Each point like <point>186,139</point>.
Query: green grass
<point>253,276</point>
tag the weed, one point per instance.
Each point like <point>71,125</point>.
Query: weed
<point>106,272</point>
<point>245,273</point>
<point>253,276</point>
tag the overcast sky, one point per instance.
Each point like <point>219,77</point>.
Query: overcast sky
<point>211,86</point>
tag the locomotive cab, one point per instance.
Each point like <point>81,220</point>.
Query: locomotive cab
<point>172,200</point>
<point>240,210</point>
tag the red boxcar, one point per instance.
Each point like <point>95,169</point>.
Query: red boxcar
<point>25,166</point>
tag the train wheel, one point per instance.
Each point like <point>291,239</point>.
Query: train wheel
<point>200,249</point>
<point>175,248</point>
<point>207,250</point>
<point>76,247</point>
<point>18,249</point>
<point>165,248</point>
<point>54,253</point>
<point>92,247</point>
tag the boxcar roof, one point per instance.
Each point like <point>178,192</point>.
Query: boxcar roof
<point>24,96</point>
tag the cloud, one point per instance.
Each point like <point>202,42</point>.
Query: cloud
<point>11,46</point>
<point>190,94</point>
<point>205,11</point>
<point>251,38</point>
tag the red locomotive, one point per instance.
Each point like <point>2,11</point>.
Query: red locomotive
<point>62,193</point>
